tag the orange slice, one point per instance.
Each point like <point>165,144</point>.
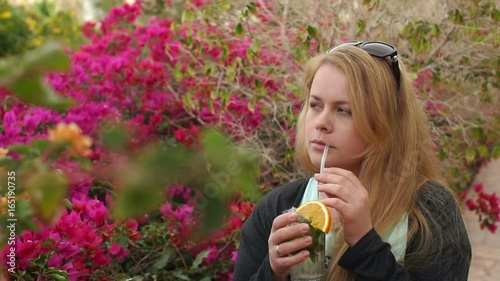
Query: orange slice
<point>317,213</point>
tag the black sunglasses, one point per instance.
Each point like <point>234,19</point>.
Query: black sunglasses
<point>379,50</point>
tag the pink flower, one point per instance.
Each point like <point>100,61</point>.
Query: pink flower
<point>212,255</point>
<point>100,259</point>
<point>96,211</point>
<point>117,250</point>
<point>180,135</point>
<point>131,224</point>
<point>234,256</point>
<point>183,213</point>
<point>166,209</point>
<point>478,187</point>
<point>492,228</point>
<point>471,204</point>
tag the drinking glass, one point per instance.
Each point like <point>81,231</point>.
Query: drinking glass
<point>312,269</point>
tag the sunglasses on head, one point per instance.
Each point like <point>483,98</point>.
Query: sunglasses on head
<point>379,50</point>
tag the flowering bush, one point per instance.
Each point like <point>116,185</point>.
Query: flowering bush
<point>146,87</point>
<point>486,205</point>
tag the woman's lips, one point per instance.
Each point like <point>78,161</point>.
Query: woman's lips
<point>318,144</point>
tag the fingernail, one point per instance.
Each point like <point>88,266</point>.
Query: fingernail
<point>308,240</point>
<point>305,228</point>
<point>293,216</point>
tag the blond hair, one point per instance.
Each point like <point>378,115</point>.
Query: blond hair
<point>399,158</point>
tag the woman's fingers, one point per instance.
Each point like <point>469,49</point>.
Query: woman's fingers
<point>287,242</point>
<point>285,228</point>
<point>338,176</point>
<point>349,197</point>
<point>288,261</point>
<point>284,220</point>
<point>338,204</point>
<point>336,191</point>
<point>292,247</point>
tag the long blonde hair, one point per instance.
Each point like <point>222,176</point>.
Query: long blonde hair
<point>399,158</point>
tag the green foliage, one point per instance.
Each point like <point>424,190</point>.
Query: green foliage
<point>23,28</point>
<point>13,30</point>
<point>24,75</point>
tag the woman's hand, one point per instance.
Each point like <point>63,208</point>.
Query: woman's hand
<point>284,240</point>
<point>349,197</point>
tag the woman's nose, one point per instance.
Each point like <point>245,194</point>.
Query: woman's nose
<point>324,122</point>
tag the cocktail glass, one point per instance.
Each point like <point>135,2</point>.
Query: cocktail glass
<point>312,269</point>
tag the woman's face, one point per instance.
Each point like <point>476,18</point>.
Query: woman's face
<point>329,122</point>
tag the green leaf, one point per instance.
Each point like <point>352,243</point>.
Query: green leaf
<point>483,151</point>
<point>9,70</point>
<point>47,191</point>
<point>41,144</point>
<point>251,106</point>
<point>210,106</point>
<point>252,7</point>
<point>255,47</point>
<point>177,72</point>
<point>495,152</point>
<point>48,243</point>
<point>59,277</point>
<point>209,68</point>
<point>114,137</point>
<point>24,215</point>
<point>312,31</point>
<point>48,57</point>
<point>239,29</point>
<point>180,275</point>
<point>165,257</point>
<point>199,259</point>
<point>436,31</point>
<point>33,90</point>
<point>23,149</point>
<point>41,260</point>
<point>495,15</point>
<point>360,26</point>
<point>442,154</point>
<point>477,133</point>
<point>187,16</point>
<point>224,94</point>
<point>470,155</point>
<point>137,197</point>
<point>188,101</point>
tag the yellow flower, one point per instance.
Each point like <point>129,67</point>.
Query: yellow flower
<point>56,30</point>
<point>31,23</point>
<point>64,132</point>
<point>3,151</point>
<point>5,15</point>
<point>80,144</point>
<point>36,42</point>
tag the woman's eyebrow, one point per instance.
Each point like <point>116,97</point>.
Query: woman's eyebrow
<point>337,102</point>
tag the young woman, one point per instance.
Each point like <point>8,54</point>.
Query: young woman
<point>392,217</point>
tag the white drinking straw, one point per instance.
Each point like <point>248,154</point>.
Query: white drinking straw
<point>323,160</point>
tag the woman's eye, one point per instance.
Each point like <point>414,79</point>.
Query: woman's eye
<point>343,111</point>
<point>314,105</point>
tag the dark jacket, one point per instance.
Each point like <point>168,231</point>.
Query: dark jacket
<point>371,258</point>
